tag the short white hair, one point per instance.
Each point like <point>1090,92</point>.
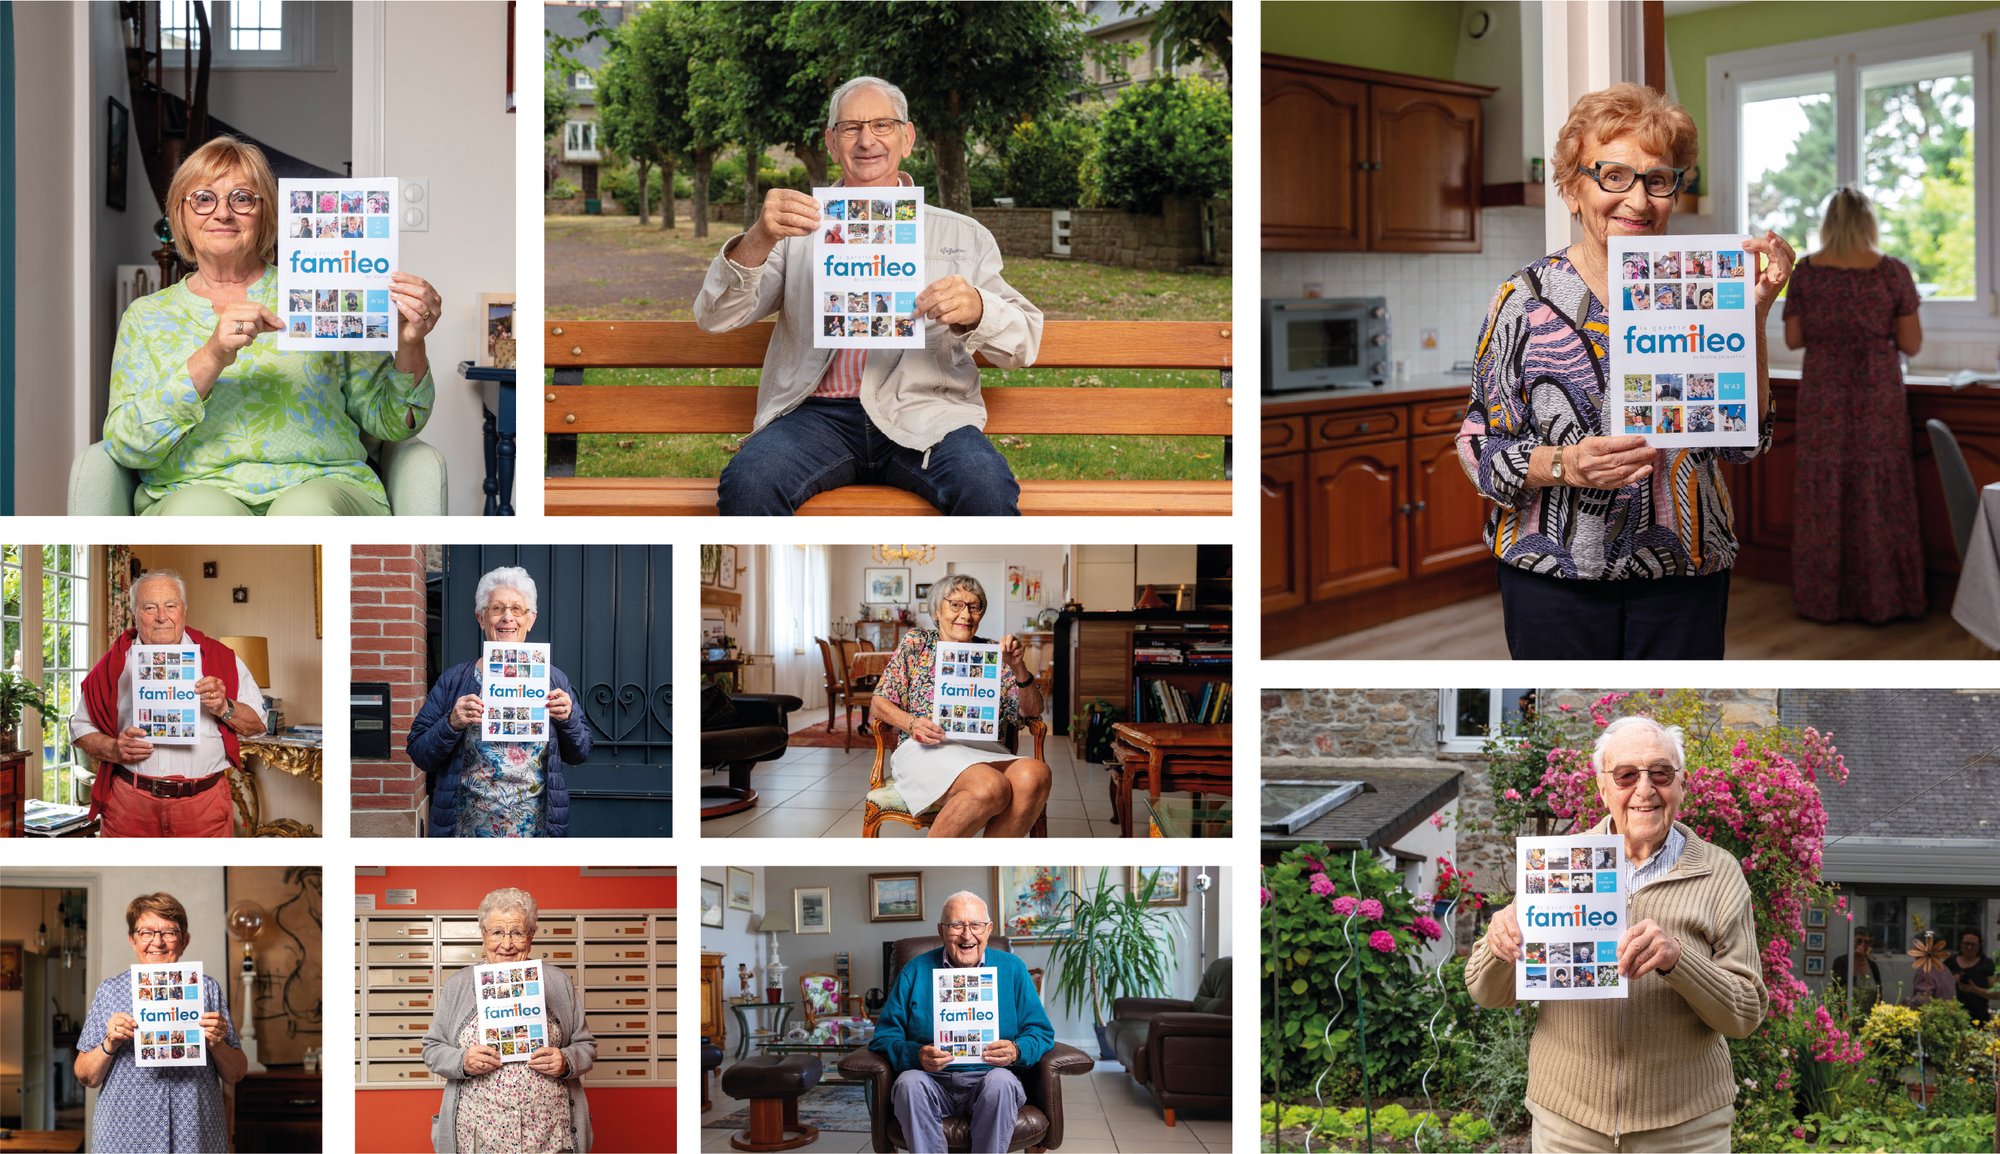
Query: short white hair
<point>1671,734</point>
<point>132,594</point>
<point>840,94</point>
<point>508,900</point>
<point>951,583</point>
<point>505,577</point>
<point>965,896</point>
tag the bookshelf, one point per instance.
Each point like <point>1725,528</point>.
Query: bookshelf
<point>1122,657</point>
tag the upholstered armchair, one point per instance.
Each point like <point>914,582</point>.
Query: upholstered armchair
<point>1178,1048</point>
<point>886,804</point>
<point>737,733</point>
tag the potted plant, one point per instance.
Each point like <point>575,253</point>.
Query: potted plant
<point>1121,947</point>
<point>16,693</point>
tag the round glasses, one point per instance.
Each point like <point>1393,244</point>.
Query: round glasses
<point>850,130</point>
<point>1627,776</point>
<point>242,202</point>
<point>963,608</point>
<point>960,927</point>
<point>1614,177</point>
<point>508,935</point>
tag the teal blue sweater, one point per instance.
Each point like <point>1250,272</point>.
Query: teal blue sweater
<point>905,1025</point>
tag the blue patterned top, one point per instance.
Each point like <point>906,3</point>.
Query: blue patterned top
<point>502,785</point>
<point>173,1108</point>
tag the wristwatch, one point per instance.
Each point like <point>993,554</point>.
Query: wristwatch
<point>1556,468</point>
<point>1024,683</point>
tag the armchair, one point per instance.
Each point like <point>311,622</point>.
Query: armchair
<point>1039,1126</point>
<point>738,733</point>
<point>1178,1048</point>
<point>886,804</point>
<point>412,472</point>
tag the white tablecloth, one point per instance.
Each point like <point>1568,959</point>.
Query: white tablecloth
<point>1977,605</point>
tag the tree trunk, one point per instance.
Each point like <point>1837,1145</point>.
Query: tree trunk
<point>954,190</point>
<point>812,153</point>
<point>704,163</point>
<point>645,167</point>
<point>667,194</point>
<point>753,197</point>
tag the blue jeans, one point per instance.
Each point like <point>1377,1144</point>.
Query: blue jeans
<point>826,443</point>
<point>992,1097</point>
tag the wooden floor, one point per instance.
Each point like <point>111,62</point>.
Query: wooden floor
<point>1762,627</point>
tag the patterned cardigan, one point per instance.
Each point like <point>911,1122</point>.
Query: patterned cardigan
<point>1539,379</point>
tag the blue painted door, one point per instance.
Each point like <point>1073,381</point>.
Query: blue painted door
<point>606,611</point>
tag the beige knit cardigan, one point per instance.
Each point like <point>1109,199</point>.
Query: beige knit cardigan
<point>1657,1057</point>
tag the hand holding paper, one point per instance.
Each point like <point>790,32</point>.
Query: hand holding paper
<point>1647,947</point>
<point>236,325</point>
<point>1609,462</point>
<point>951,301</point>
<point>1774,271</point>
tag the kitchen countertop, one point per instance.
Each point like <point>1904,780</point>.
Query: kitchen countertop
<point>1443,386</point>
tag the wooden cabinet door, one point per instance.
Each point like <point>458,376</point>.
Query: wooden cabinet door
<point>1447,515</point>
<point>1357,511</point>
<point>1770,515</point>
<point>1313,181</point>
<point>1423,153</point>
<point>1283,501</point>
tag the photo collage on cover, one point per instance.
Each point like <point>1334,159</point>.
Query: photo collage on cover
<point>869,222</point>
<point>163,720</point>
<point>1691,282</point>
<point>516,720</point>
<point>969,664</point>
<point>1578,962</point>
<point>168,986</point>
<point>338,313</point>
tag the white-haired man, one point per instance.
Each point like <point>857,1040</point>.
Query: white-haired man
<point>926,1092</point>
<point>911,418</point>
<point>144,790</point>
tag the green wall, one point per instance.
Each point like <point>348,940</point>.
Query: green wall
<point>1418,39</point>
<point>1693,38</point>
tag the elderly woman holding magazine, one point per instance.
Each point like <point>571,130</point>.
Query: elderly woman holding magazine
<point>1650,1071</point>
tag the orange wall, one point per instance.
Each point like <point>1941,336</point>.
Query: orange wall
<point>624,1118</point>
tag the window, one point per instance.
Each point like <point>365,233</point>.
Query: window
<point>580,140</point>
<point>1951,917</point>
<point>45,592</point>
<point>247,33</point>
<point>585,81</point>
<point>1886,921</point>
<point>1467,716</point>
<point>1894,112</point>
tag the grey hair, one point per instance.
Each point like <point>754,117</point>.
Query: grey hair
<point>505,577</point>
<point>947,585</point>
<point>894,94</point>
<point>965,896</point>
<point>132,594</point>
<point>506,900</point>
<point>1671,734</point>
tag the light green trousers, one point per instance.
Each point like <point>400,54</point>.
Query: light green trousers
<point>319,497</point>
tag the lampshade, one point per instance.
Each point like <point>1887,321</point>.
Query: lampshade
<point>774,922</point>
<point>256,653</point>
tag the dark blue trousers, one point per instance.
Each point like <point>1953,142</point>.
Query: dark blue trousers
<point>826,443</point>
<point>1663,619</point>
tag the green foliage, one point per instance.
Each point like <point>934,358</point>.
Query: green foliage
<point>555,103</point>
<point>1516,758</point>
<point>1043,161</point>
<point>1123,947</point>
<point>1491,1066</point>
<point>1187,29</point>
<point>622,185</point>
<point>561,189</point>
<point>18,693</point>
<point>1167,137</point>
<point>1338,1128</point>
<point>984,176</point>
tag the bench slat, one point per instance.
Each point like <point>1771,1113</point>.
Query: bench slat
<point>695,496</point>
<point>1065,345</point>
<point>732,409</point>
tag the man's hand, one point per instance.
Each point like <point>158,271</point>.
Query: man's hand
<point>466,711</point>
<point>951,301</point>
<point>1647,947</point>
<point>785,213</point>
<point>547,1060</point>
<point>1503,935</point>
<point>209,689</point>
<point>1001,1053</point>
<point>133,747</point>
<point>559,705</point>
<point>481,1060</point>
<point>933,1059</point>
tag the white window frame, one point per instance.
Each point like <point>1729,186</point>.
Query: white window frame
<point>79,626</point>
<point>1846,57</point>
<point>34,618</point>
<point>585,82</point>
<point>297,37</point>
<point>1496,712</point>
<point>577,129</point>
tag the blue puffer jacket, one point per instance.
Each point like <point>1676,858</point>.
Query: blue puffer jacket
<point>433,745</point>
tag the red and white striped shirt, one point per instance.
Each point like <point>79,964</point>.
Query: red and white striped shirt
<point>843,375</point>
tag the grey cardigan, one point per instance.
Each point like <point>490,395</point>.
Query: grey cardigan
<point>915,396</point>
<point>446,1058</point>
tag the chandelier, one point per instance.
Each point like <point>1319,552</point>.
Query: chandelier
<point>906,554</point>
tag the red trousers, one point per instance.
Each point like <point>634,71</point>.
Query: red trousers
<point>129,811</point>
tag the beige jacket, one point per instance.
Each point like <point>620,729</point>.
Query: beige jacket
<point>915,396</point>
<point>1657,1057</point>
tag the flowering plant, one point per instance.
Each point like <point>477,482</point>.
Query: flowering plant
<point>1454,884</point>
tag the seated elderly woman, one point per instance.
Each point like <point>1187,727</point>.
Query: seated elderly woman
<point>973,789</point>
<point>221,423</point>
<point>481,788</point>
<point>1651,1072</point>
<point>492,1104</point>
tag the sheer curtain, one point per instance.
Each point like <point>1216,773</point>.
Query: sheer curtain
<point>799,597</point>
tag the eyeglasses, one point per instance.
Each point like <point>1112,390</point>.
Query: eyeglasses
<point>961,927</point>
<point>506,610</point>
<point>964,608</point>
<point>508,935</point>
<point>242,202</point>
<point>850,130</point>
<point>157,935</point>
<point>1613,177</point>
<point>1660,774</point>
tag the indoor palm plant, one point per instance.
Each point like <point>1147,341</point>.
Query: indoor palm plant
<point>16,693</point>
<point>1122,946</point>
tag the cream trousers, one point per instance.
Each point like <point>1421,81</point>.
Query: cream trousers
<point>1708,1134</point>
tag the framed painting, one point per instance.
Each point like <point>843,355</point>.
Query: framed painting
<point>10,965</point>
<point>896,897</point>
<point>742,889</point>
<point>496,324</point>
<point>1815,941</point>
<point>885,586</point>
<point>1031,903</point>
<point>1170,883</point>
<point>725,571</point>
<point>812,910</point>
<point>711,903</point>
<point>1816,918</point>
<point>1815,966</point>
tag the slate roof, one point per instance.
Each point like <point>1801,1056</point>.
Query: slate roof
<point>1395,801</point>
<point>1106,14</point>
<point>1921,763</point>
<point>567,20</point>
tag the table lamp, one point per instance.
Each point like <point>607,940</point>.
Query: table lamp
<point>247,919</point>
<point>255,652</point>
<point>774,923</point>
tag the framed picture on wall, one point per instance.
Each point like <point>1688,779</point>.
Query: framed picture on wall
<point>1816,918</point>
<point>1170,883</point>
<point>896,897</point>
<point>1815,965</point>
<point>1815,941</point>
<point>1028,902</point>
<point>725,570</point>
<point>711,903</point>
<point>742,889</point>
<point>885,586</point>
<point>10,965</point>
<point>812,910</point>
<point>711,563</point>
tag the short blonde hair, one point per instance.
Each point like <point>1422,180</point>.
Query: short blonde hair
<point>1623,110</point>
<point>1847,223</point>
<point>162,905</point>
<point>210,161</point>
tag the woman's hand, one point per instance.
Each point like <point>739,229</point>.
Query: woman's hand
<point>1503,935</point>
<point>419,305</point>
<point>1608,462</point>
<point>926,731</point>
<point>1647,947</point>
<point>481,1060</point>
<point>211,1028</point>
<point>547,1060</point>
<point>119,1030</point>
<point>466,711</point>
<point>1774,271</point>
<point>1011,650</point>
<point>236,325</point>
<point>559,705</point>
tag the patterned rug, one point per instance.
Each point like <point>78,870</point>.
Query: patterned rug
<point>819,736</point>
<point>837,1106</point>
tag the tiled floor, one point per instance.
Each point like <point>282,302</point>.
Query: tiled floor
<point>819,793</point>
<point>1104,1112</point>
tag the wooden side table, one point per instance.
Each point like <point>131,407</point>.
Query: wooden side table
<point>499,434</point>
<point>1169,756</point>
<point>298,756</point>
<point>278,1110</point>
<point>13,792</point>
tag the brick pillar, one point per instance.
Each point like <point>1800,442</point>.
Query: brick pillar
<point>388,645</point>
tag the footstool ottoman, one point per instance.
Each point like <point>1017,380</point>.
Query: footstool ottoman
<point>772,1084</point>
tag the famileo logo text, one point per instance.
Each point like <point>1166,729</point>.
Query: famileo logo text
<point>873,266</point>
<point>1694,339</point>
<point>1545,917</point>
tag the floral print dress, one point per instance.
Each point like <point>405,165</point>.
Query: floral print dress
<point>513,1108</point>
<point>502,787</point>
<point>924,773</point>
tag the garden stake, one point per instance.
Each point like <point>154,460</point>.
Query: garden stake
<point>1437,1046</point>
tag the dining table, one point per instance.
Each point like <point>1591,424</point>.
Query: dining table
<point>1976,606</point>
<point>868,664</point>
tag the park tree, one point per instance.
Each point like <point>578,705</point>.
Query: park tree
<point>1167,137</point>
<point>710,113</point>
<point>778,72</point>
<point>642,99</point>
<point>1185,30</point>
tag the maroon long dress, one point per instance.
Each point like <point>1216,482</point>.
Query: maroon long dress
<point>1856,549</point>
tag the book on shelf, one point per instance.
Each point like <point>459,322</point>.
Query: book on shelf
<point>1158,700</point>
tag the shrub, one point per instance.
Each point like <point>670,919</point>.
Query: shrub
<point>1043,161</point>
<point>561,189</point>
<point>1166,137</point>
<point>622,185</point>
<point>1492,1063</point>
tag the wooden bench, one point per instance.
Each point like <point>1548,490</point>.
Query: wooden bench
<point>572,407</point>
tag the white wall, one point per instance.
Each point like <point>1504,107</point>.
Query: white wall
<point>737,944</point>
<point>445,79</point>
<point>116,237</point>
<point>846,562</point>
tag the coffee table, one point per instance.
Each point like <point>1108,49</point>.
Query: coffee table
<point>1171,757</point>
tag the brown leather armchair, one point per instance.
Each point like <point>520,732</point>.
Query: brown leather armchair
<point>1178,1048</point>
<point>1040,1124</point>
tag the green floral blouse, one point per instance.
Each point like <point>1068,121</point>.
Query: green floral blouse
<point>273,420</point>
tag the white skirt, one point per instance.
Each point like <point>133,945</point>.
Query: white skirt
<point>924,773</point>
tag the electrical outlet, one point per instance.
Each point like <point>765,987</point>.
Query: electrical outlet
<point>416,210</point>
<point>1428,339</point>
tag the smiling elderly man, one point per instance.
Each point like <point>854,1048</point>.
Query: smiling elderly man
<point>925,1092</point>
<point>143,790</point>
<point>911,418</point>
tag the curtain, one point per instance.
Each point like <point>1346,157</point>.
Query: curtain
<point>117,593</point>
<point>798,597</point>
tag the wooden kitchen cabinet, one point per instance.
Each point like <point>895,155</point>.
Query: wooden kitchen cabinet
<point>1283,503</point>
<point>1448,516</point>
<point>1360,160</point>
<point>1356,518</point>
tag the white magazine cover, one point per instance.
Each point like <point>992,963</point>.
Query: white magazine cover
<point>164,702</point>
<point>868,267</point>
<point>1683,341</point>
<point>513,1017</point>
<point>967,685</point>
<point>1570,895</point>
<point>514,687</point>
<point>337,245</point>
<point>167,1004</point>
<point>965,1012</point>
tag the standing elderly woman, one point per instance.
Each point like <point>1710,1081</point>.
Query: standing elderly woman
<point>971,788</point>
<point>157,1107</point>
<point>493,1105</point>
<point>503,788</point>
<point>1857,549</point>
<point>1650,1072</point>
<point>1607,547</point>
<point>219,423</point>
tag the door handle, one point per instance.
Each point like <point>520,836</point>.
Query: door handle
<point>1420,506</point>
<point>1404,509</point>
<point>1268,491</point>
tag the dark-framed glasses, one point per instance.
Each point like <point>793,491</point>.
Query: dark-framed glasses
<point>850,130</point>
<point>157,935</point>
<point>963,608</point>
<point>1614,177</point>
<point>242,201</point>
<point>960,927</point>
<point>1659,773</point>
